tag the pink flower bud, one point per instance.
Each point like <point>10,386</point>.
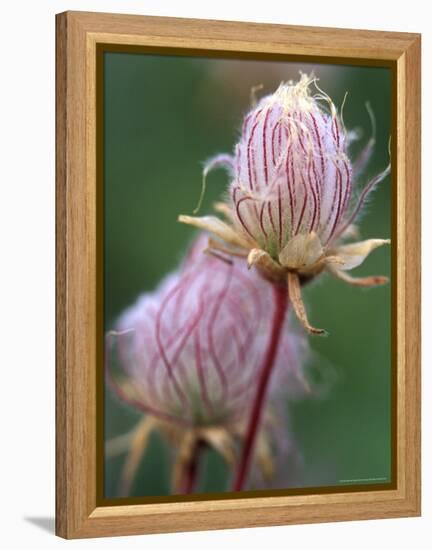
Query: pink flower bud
<point>290,210</point>
<point>291,173</point>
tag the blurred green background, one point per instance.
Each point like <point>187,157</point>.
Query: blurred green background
<point>163,117</point>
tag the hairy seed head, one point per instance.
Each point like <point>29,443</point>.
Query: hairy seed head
<point>291,173</point>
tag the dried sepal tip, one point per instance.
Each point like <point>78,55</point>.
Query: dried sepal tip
<point>294,291</point>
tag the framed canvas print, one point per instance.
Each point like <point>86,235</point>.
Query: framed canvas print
<point>238,274</point>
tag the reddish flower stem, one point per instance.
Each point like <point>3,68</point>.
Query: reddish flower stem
<point>280,294</point>
<point>190,475</point>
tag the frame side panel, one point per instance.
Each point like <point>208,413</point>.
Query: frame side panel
<point>61,251</point>
<point>413,273</point>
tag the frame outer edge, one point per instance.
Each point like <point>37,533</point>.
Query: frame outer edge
<point>61,516</point>
<point>74,509</point>
<point>413,272</point>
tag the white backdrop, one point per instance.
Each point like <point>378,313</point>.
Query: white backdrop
<point>27,270</point>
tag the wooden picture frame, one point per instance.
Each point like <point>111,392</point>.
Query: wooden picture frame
<point>79,299</point>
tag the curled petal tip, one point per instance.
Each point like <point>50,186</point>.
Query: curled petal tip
<point>373,280</point>
<point>268,267</point>
<point>354,254</point>
<point>253,257</point>
<point>379,280</point>
<point>319,331</point>
<point>294,291</point>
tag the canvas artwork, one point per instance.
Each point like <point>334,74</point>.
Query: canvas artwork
<point>247,268</point>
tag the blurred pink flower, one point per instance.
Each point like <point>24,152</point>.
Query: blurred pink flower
<point>192,348</point>
<point>189,355</point>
